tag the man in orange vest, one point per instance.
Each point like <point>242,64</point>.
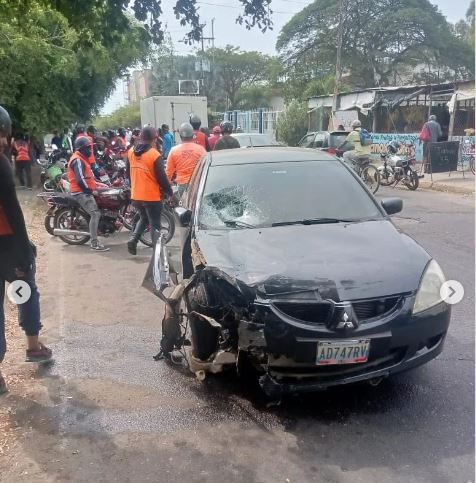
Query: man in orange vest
<point>21,151</point>
<point>199,137</point>
<point>83,187</point>
<point>17,260</point>
<point>183,158</point>
<point>81,132</point>
<point>149,185</point>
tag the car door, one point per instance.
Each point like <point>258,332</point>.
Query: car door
<point>307,141</point>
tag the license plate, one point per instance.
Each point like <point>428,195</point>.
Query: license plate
<point>342,351</point>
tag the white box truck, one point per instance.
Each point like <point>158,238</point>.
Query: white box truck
<point>172,110</point>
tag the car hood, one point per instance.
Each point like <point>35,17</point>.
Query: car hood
<point>341,261</point>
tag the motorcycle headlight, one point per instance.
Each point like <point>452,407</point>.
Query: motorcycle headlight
<point>428,294</point>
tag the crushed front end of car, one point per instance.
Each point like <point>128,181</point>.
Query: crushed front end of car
<point>300,336</point>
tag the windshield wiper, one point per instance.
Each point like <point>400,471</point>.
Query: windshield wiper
<point>238,224</point>
<point>312,221</point>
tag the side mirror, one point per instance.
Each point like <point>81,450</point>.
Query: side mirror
<point>184,215</point>
<point>392,205</point>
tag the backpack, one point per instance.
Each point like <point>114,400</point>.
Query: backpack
<point>425,135</point>
<point>365,138</point>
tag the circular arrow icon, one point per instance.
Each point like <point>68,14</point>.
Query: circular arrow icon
<point>19,292</point>
<point>452,292</point>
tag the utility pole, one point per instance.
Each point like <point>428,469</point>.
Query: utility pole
<point>202,41</point>
<point>340,34</point>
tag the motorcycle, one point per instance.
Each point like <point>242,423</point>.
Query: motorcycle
<point>398,169</point>
<point>53,168</point>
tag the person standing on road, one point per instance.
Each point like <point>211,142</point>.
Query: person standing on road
<point>212,140</point>
<point>17,259</point>
<point>199,137</point>
<point>352,157</point>
<point>430,133</point>
<point>83,187</point>
<point>183,158</point>
<point>149,185</point>
<point>21,151</point>
<point>168,140</point>
<point>227,141</point>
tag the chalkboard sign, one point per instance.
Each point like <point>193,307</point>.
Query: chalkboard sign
<point>443,157</point>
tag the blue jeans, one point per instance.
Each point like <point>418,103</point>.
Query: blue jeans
<point>28,313</point>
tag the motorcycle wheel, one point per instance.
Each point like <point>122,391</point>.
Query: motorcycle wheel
<point>47,186</point>
<point>167,222</point>
<point>50,221</point>
<point>371,177</point>
<point>412,180</point>
<point>67,217</point>
<point>128,216</point>
<point>386,177</point>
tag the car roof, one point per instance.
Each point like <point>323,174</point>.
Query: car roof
<point>278,154</point>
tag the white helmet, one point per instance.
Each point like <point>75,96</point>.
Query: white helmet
<point>356,123</point>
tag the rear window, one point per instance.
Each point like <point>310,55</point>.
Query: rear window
<point>262,194</point>
<point>337,138</point>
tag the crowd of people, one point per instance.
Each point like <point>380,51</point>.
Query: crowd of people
<point>153,164</point>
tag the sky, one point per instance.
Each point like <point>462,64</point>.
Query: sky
<point>227,31</point>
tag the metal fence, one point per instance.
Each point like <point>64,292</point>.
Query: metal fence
<point>257,120</point>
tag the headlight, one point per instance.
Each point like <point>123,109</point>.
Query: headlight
<point>428,293</point>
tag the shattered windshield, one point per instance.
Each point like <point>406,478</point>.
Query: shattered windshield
<point>266,194</point>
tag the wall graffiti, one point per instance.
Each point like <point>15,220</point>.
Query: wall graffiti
<point>466,144</point>
<point>409,144</point>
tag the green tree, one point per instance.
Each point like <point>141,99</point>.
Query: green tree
<point>292,123</point>
<point>253,97</point>
<point>379,37</point>
<point>126,116</point>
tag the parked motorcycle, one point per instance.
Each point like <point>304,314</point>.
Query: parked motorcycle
<point>398,169</point>
<point>53,168</point>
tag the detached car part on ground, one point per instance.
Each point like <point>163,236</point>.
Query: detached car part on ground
<point>305,300</point>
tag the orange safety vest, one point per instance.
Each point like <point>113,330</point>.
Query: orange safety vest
<point>5,228</point>
<point>200,138</point>
<point>88,175</point>
<point>23,151</point>
<point>144,184</point>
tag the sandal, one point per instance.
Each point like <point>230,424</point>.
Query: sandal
<point>39,355</point>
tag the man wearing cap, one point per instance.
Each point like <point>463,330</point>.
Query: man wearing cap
<point>351,158</point>
<point>17,259</point>
<point>149,185</point>
<point>184,157</point>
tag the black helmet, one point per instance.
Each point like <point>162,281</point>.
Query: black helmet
<point>226,127</point>
<point>91,130</point>
<point>392,147</point>
<point>122,131</point>
<point>5,122</point>
<point>136,132</point>
<point>111,133</point>
<point>83,145</point>
<point>195,121</point>
<point>80,128</point>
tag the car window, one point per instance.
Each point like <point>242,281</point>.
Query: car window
<point>190,196</point>
<point>337,138</point>
<point>319,140</point>
<point>261,194</point>
<point>306,141</point>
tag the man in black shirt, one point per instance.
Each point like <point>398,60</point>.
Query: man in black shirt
<point>227,141</point>
<point>17,259</point>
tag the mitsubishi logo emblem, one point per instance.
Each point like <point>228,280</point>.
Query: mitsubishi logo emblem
<point>343,317</point>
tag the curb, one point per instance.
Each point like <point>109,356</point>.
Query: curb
<point>447,188</point>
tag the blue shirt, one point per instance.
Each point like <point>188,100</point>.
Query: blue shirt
<point>168,143</point>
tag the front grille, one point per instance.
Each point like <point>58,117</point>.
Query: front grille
<point>368,309</point>
<point>319,313</point>
<point>314,313</point>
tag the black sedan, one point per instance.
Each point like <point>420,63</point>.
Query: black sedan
<point>288,264</point>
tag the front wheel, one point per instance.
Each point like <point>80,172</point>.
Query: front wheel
<point>412,180</point>
<point>72,219</point>
<point>371,177</point>
<point>50,221</point>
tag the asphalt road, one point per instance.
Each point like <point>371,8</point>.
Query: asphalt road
<point>108,412</point>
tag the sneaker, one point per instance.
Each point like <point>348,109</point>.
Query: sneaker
<point>132,247</point>
<point>97,247</point>
<point>39,355</point>
<point>3,385</point>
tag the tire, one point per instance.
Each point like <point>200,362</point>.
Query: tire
<point>471,164</point>
<point>167,222</point>
<point>386,177</point>
<point>413,181</point>
<point>128,216</point>
<point>371,177</point>
<point>50,221</point>
<point>65,217</point>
